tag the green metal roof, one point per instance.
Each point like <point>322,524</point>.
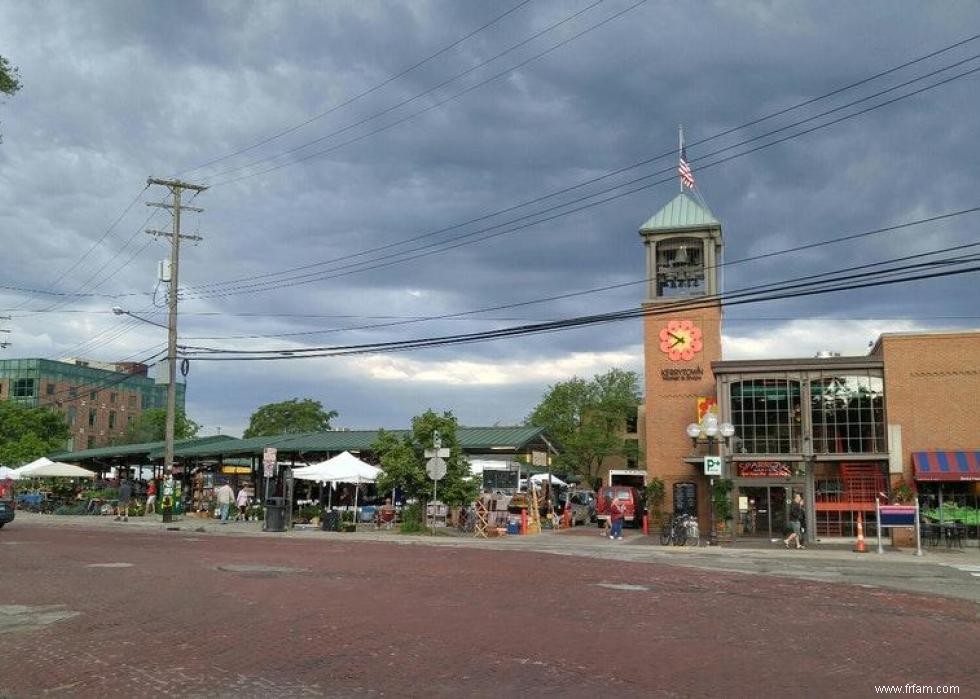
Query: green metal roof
<point>479,439</point>
<point>145,448</point>
<point>335,441</point>
<point>682,212</point>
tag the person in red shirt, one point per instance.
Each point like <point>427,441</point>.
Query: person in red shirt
<point>151,498</point>
<point>617,511</point>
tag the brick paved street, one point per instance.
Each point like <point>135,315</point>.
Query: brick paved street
<point>105,612</point>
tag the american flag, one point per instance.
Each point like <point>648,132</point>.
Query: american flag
<point>684,170</point>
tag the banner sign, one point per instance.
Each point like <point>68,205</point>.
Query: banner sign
<point>897,515</point>
<point>764,469</point>
<point>705,406</point>
<point>269,462</point>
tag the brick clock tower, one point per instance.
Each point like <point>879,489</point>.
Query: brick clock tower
<point>682,337</point>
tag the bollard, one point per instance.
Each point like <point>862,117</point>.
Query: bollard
<point>646,525</point>
<point>859,546</point>
<point>523,521</point>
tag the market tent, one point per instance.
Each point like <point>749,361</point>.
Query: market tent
<point>6,473</point>
<point>343,468</point>
<point>46,468</point>
<point>555,480</point>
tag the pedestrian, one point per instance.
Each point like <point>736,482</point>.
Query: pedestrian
<point>795,525</point>
<point>617,511</point>
<point>242,502</point>
<point>125,495</point>
<point>225,497</point>
<point>607,522</point>
<point>151,498</point>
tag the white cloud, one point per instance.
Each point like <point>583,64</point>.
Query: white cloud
<point>805,337</point>
<point>496,373</point>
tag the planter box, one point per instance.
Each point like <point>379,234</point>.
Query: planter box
<point>903,537</point>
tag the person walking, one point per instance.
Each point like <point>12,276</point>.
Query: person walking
<point>617,511</point>
<point>242,502</point>
<point>225,497</point>
<point>796,518</point>
<point>151,498</point>
<point>125,495</point>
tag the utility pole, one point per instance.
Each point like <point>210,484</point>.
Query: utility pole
<point>175,187</point>
<point>4,344</point>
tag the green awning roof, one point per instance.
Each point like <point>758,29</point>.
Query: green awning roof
<point>134,450</point>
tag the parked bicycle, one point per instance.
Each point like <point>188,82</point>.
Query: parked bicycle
<point>683,530</point>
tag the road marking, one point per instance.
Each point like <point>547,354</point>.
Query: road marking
<point>624,586</point>
<point>109,565</point>
<point>973,570</point>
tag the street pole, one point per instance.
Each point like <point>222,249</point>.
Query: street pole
<point>176,187</point>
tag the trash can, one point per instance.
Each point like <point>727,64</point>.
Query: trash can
<point>330,521</point>
<point>275,515</point>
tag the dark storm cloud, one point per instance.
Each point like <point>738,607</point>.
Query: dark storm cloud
<point>118,91</point>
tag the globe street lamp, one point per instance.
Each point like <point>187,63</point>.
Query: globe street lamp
<point>711,430</point>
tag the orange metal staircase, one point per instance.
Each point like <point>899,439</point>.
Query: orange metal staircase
<point>839,501</point>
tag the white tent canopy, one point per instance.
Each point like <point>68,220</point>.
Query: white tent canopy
<point>6,473</point>
<point>541,477</point>
<point>343,468</point>
<point>46,468</point>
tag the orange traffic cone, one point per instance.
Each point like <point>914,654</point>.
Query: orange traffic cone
<point>566,518</point>
<point>859,546</point>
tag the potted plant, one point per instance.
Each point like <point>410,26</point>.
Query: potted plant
<point>903,493</point>
<point>655,493</point>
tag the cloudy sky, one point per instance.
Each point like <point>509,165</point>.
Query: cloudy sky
<point>335,135</point>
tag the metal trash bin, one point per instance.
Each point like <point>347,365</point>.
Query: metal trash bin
<point>275,515</point>
<point>330,521</point>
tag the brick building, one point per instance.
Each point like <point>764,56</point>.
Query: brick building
<point>99,401</point>
<point>838,430</point>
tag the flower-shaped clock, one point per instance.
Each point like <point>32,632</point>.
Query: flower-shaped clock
<point>680,340</point>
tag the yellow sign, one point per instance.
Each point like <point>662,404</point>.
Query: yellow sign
<point>705,406</point>
<point>236,470</point>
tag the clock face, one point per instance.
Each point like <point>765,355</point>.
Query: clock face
<point>680,340</point>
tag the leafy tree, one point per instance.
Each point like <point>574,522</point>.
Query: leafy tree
<point>289,417</point>
<point>29,433</point>
<point>151,426</point>
<point>588,419</point>
<point>403,461</point>
<point>9,84</point>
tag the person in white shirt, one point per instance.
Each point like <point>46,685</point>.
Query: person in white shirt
<point>225,496</point>
<point>242,502</point>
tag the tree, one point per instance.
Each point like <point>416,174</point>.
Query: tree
<point>151,426</point>
<point>27,434</point>
<point>588,419</point>
<point>403,461</point>
<point>289,417</point>
<point>9,84</point>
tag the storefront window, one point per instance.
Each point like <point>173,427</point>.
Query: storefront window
<point>847,412</point>
<point>23,388</point>
<point>766,415</point>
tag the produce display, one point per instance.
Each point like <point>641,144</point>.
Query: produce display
<point>951,512</point>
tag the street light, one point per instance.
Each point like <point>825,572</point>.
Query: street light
<point>122,312</point>
<point>711,429</point>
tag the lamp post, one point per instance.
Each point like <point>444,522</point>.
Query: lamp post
<point>711,430</point>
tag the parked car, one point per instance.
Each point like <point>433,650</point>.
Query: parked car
<point>6,502</point>
<point>632,497</point>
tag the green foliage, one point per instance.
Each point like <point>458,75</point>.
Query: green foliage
<point>289,417</point>
<point>588,419</point>
<point>655,493</point>
<point>27,434</point>
<point>152,427</point>
<point>412,520</point>
<point>903,493</point>
<point>403,461</point>
<point>722,499</point>
<point>9,84</point>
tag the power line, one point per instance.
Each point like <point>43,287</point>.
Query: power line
<point>220,289</point>
<point>752,258</point>
<point>807,285</point>
<point>429,108</point>
<point>632,166</point>
<point>365,93</point>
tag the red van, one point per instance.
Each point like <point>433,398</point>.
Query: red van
<point>6,501</point>
<point>632,497</point>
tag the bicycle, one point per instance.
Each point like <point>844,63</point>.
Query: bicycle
<point>682,530</point>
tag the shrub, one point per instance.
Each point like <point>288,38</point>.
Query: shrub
<point>413,521</point>
<point>70,510</point>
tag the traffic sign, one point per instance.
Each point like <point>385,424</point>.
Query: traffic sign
<point>436,468</point>
<point>269,461</point>
<point>441,453</point>
<point>712,465</point>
